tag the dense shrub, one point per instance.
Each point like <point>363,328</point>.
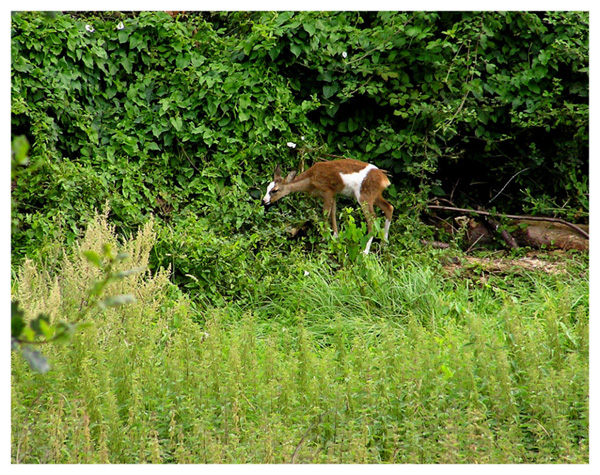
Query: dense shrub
<point>159,114</point>
<point>471,95</point>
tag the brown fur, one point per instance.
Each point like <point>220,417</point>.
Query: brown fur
<point>323,180</point>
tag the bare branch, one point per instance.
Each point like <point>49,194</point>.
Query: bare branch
<point>507,183</point>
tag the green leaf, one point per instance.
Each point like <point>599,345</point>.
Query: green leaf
<point>413,31</point>
<point>197,59</point>
<point>330,90</point>
<point>152,146</point>
<point>17,323</point>
<point>543,57</point>
<point>27,334</point>
<point>22,65</point>
<point>64,332</point>
<point>88,60</point>
<point>331,110</point>
<point>100,52</point>
<point>93,258</point>
<point>183,61</point>
<point>127,65</point>
<point>296,49</point>
<point>107,251</point>
<point>533,87</point>
<point>136,40</point>
<point>40,325</point>
<point>274,52</point>
<point>20,149</point>
<point>309,27</point>
<point>448,373</point>
<point>123,35</point>
<point>436,190</point>
<point>110,92</point>
<point>177,123</point>
<point>283,17</point>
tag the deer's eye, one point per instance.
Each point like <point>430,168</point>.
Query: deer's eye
<point>274,191</point>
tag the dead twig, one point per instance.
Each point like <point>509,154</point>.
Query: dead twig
<point>473,245</point>
<point>186,156</point>
<point>312,426</point>
<point>507,183</point>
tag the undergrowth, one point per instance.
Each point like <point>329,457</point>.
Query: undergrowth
<point>390,359</point>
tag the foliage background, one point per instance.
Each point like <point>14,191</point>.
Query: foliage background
<point>245,345</point>
<point>188,115</point>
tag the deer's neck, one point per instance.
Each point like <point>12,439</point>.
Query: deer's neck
<point>302,184</point>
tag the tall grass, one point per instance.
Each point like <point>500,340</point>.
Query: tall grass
<point>389,360</point>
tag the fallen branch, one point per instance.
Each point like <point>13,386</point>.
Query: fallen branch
<point>435,244</point>
<point>513,216</point>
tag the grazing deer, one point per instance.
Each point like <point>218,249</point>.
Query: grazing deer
<point>348,177</point>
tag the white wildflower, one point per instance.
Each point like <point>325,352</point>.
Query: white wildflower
<point>89,28</point>
<point>344,55</point>
<point>291,144</point>
<point>302,138</point>
<point>120,26</point>
<point>306,273</point>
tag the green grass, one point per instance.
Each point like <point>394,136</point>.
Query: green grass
<point>393,359</point>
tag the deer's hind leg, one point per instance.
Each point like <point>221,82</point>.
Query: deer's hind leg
<point>388,210</point>
<point>367,207</point>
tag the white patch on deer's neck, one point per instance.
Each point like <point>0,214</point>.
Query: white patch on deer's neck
<point>353,181</point>
<point>267,198</point>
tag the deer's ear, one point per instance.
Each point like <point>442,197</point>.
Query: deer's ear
<point>277,173</point>
<point>290,177</point>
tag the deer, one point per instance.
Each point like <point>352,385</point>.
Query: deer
<point>348,177</point>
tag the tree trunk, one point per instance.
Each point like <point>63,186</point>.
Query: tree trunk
<point>552,235</point>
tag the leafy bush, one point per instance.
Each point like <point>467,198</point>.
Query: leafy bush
<point>420,92</point>
<point>120,131</point>
<point>158,114</point>
<point>39,331</point>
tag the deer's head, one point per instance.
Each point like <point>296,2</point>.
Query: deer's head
<point>278,188</point>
